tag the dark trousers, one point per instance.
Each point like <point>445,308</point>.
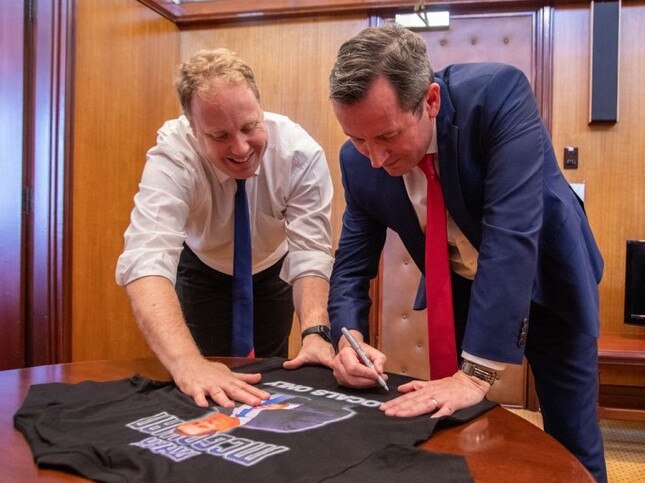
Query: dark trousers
<point>205,298</point>
<point>564,363</point>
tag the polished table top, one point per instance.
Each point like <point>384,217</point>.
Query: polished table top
<point>499,446</point>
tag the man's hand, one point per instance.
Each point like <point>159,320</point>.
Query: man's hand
<point>350,371</point>
<point>201,378</point>
<point>314,351</point>
<point>158,314</point>
<point>443,396</point>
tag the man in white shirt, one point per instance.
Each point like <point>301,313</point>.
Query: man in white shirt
<point>177,264</point>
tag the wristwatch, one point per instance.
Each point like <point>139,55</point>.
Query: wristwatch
<point>321,330</point>
<point>480,372</point>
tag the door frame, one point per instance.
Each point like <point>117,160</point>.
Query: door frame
<point>38,322</point>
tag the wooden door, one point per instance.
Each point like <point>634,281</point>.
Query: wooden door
<point>35,39</point>
<point>401,333</point>
<point>11,134</point>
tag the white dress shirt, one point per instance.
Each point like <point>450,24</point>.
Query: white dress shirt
<point>462,254</point>
<point>184,198</point>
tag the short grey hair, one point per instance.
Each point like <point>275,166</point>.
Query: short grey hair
<point>211,68</point>
<point>389,51</point>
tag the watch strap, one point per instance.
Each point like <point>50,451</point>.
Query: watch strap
<point>480,372</point>
<point>322,330</point>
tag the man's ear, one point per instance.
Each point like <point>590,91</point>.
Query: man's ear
<point>433,99</point>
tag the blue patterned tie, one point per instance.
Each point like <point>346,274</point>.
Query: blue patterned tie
<point>242,310</point>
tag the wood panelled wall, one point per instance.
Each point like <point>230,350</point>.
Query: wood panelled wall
<point>610,156</point>
<point>126,56</point>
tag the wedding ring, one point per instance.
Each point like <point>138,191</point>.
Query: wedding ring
<point>434,401</point>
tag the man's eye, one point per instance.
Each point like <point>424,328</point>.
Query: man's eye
<point>217,137</point>
<point>250,128</point>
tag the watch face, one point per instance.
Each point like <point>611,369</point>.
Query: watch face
<point>479,372</point>
<point>325,333</point>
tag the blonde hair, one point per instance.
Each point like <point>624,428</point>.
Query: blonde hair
<point>207,69</point>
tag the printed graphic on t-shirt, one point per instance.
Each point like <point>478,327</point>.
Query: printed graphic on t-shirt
<point>214,434</point>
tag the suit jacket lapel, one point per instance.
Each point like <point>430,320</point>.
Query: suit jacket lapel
<point>447,142</point>
<point>401,216</point>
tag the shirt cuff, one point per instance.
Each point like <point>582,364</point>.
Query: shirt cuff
<point>496,366</point>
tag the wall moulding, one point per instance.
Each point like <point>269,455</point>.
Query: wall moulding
<point>193,12</point>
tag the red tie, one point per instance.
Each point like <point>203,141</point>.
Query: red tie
<point>441,325</point>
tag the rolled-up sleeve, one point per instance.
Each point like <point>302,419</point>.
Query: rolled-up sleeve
<point>154,238</point>
<point>308,218</point>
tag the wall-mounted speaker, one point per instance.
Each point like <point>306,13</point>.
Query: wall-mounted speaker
<point>605,30</point>
<point>635,282</point>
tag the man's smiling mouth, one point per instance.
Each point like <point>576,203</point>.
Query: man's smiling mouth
<point>241,161</point>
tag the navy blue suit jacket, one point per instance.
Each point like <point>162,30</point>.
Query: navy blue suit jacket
<point>504,189</point>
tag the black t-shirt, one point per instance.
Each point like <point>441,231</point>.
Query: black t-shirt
<point>310,429</point>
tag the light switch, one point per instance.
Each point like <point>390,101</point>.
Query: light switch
<point>570,157</point>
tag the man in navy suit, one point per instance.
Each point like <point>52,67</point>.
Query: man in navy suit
<point>525,266</point>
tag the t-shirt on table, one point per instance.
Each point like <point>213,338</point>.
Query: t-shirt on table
<point>310,430</point>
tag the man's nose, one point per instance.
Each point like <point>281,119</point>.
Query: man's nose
<point>240,146</point>
<point>377,156</point>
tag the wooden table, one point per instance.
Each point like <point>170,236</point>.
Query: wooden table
<point>499,446</point>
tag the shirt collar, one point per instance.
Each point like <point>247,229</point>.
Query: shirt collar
<point>223,177</point>
<point>433,148</point>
